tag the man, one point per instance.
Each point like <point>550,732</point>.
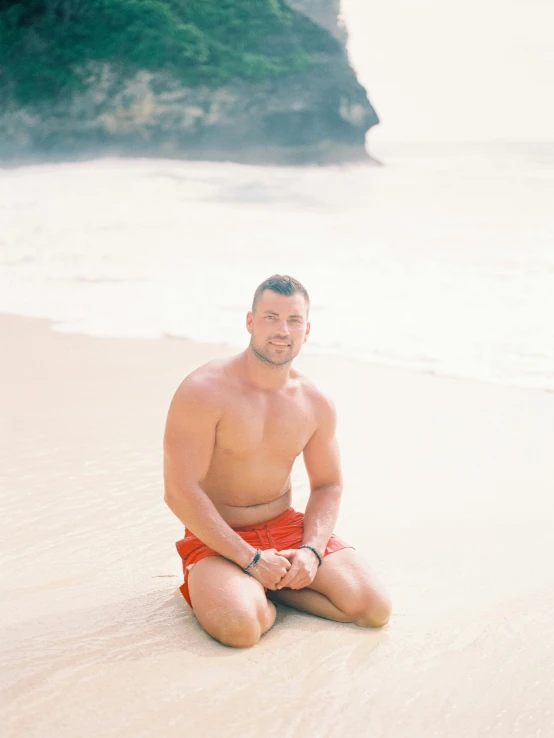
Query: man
<point>234,428</point>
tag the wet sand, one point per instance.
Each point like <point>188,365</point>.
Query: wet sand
<point>448,494</point>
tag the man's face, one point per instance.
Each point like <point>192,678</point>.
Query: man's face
<point>279,327</point>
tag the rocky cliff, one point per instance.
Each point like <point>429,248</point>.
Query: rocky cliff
<point>317,115</point>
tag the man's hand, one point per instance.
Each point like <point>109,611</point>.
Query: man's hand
<point>303,568</point>
<point>271,567</point>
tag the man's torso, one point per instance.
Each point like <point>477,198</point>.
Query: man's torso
<point>258,437</point>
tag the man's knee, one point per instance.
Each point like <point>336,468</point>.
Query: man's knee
<point>242,629</point>
<point>238,632</point>
<point>370,609</point>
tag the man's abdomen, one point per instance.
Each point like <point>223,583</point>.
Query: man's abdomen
<point>240,515</point>
<point>250,489</point>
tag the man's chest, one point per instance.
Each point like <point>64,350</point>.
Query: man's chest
<point>270,427</point>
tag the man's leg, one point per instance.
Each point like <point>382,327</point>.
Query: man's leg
<point>230,605</point>
<point>344,589</point>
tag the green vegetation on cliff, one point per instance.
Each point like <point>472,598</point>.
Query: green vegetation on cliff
<point>46,46</point>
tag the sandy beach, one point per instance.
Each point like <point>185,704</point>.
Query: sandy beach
<point>448,494</point>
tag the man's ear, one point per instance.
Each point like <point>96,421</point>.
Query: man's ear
<point>249,317</point>
<point>308,326</point>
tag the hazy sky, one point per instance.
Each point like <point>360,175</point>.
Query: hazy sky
<point>476,70</point>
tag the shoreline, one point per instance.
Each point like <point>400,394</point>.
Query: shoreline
<point>321,352</point>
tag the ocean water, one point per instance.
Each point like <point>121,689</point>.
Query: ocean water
<point>442,260</point>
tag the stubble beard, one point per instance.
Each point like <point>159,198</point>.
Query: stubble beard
<point>263,357</point>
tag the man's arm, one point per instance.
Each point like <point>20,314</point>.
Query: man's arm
<point>322,460</point>
<point>189,442</point>
<point>321,457</point>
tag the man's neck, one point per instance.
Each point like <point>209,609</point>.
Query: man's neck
<point>262,373</point>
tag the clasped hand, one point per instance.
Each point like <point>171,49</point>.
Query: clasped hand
<point>292,568</point>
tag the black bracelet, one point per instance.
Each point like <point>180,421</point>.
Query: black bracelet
<point>255,560</point>
<point>312,549</point>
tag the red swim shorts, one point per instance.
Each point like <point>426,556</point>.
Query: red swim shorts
<point>284,531</point>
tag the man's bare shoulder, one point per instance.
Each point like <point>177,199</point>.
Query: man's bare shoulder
<point>197,406</point>
<point>206,385</point>
<point>321,402</point>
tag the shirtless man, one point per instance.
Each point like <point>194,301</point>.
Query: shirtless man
<point>234,428</point>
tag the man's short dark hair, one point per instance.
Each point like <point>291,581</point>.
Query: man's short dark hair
<point>282,284</point>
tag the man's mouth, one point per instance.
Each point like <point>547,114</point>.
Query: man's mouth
<point>284,344</point>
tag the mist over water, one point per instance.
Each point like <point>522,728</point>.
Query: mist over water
<point>436,70</point>
<point>443,260</point>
